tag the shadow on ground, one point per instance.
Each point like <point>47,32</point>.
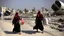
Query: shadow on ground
<point>24,31</point>
<point>33,32</point>
<point>9,32</point>
<point>29,31</point>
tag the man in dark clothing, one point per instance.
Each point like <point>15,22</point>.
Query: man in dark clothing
<point>38,22</point>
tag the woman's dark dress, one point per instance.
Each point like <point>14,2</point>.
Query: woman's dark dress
<point>38,23</point>
<point>16,24</point>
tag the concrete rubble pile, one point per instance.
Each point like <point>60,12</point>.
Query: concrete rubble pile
<point>57,24</point>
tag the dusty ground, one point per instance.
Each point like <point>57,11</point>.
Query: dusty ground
<point>27,29</point>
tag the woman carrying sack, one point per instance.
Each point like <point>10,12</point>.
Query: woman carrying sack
<point>16,24</point>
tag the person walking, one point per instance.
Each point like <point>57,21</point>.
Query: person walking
<point>38,22</point>
<point>16,24</point>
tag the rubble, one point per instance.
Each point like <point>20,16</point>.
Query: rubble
<point>57,24</point>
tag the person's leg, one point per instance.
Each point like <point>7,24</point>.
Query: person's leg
<point>19,33</point>
<point>13,29</point>
<point>19,30</point>
<point>42,29</point>
<point>36,30</point>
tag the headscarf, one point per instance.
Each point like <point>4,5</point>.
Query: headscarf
<point>16,16</point>
<point>39,15</point>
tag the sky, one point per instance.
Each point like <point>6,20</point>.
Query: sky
<point>29,4</point>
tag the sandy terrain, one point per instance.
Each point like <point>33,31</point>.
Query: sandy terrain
<point>26,29</point>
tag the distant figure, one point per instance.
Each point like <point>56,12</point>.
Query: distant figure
<point>0,14</point>
<point>38,22</point>
<point>16,24</point>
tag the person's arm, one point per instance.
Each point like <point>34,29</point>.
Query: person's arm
<point>36,20</point>
<point>42,17</point>
<point>13,22</point>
